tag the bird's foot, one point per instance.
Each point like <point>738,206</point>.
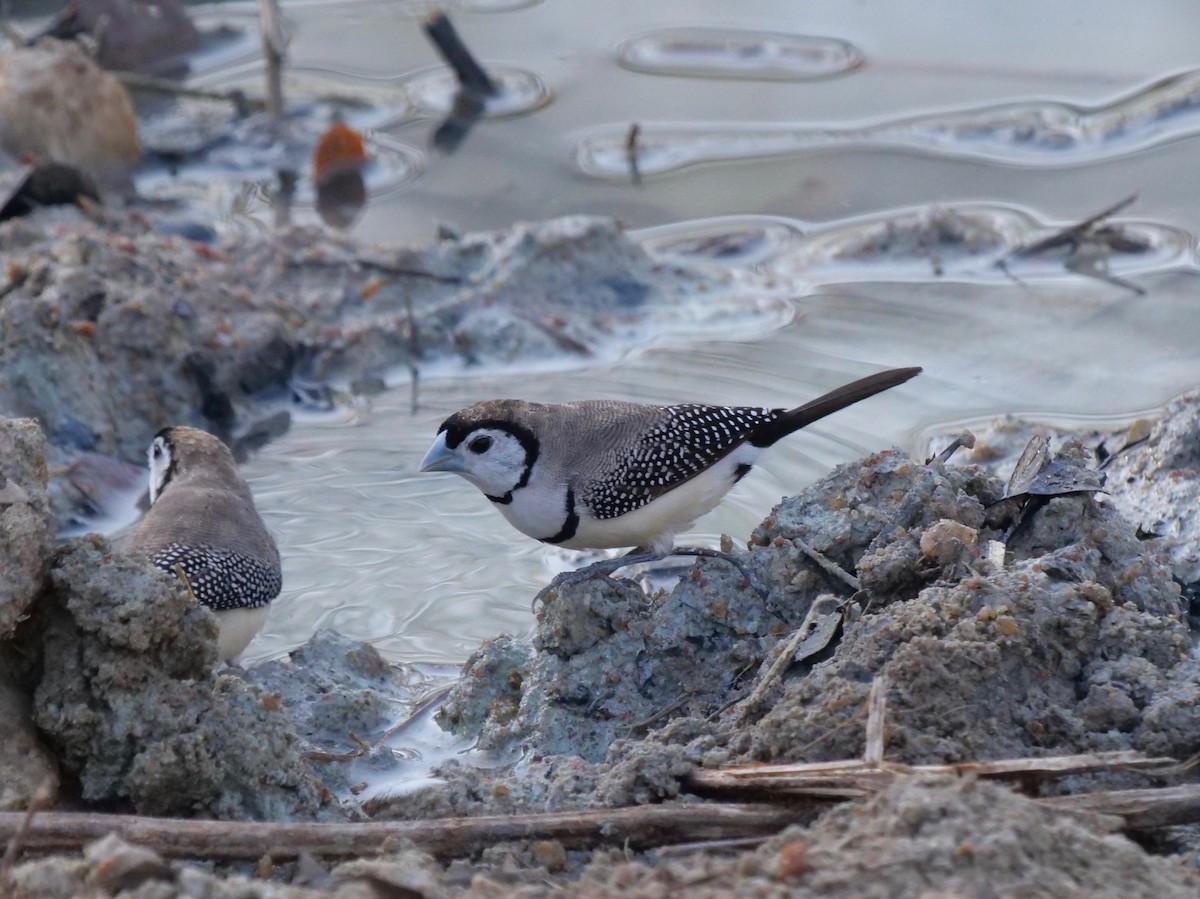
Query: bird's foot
<point>606,567</point>
<point>603,568</point>
<point>704,553</point>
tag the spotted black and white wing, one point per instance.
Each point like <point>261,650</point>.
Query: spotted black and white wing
<point>221,579</point>
<point>687,440</point>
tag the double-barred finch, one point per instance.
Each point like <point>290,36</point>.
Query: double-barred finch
<point>604,473</point>
<point>202,518</point>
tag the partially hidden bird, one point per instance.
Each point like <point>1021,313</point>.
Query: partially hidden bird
<point>202,519</point>
<point>606,473</point>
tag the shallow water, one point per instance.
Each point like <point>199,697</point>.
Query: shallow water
<point>830,140</point>
<point>811,174</point>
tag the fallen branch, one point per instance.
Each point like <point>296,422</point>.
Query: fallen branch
<point>858,776</point>
<point>637,827</point>
<point>830,567</point>
<point>1141,809</point>
<point>242,104</point>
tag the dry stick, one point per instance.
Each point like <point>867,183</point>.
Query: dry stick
<point>797,779</point>
<point>631,152</point>
<point>876,721</point>
<point>362,748</point>
<point>964,438</point>
<point>137,81</point>
<point>182,577</point>
<point>639,827</point>
<point>274,45</point>
<point>414,353</point>
<point>827,565</point>
<point>470,74</point>
<point>782,661</point>
<point>1140,809</point>
<point>40,799</point>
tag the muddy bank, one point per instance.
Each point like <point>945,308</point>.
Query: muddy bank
<point>1075,640</point>
<point>116,325</point>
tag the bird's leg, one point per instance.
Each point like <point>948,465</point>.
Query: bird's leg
<point>638,556</point>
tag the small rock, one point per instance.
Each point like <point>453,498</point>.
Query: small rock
<point>56,105</point>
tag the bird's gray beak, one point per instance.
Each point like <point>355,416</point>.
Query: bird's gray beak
<point>441,458</point>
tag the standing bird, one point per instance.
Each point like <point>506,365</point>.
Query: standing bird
<point>202,519</point>
<point>605,473</point>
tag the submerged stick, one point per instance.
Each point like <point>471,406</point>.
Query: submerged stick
<point>470,74</point>
<point>640,826</point>
<point>237,97</point>
<point>274,47</point>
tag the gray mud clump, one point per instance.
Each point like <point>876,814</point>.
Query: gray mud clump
<point>1062,650</point>
<point>24,519</point>
<point>128,699</point>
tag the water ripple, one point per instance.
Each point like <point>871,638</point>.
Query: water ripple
<point>968,242</point>
<point>520,91</point>
<point>1043,133</point>
<point>725,53</point>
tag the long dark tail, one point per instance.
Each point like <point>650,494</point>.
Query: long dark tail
<point>839,398</point>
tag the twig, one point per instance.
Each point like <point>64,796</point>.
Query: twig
<point>40,799</point>
<point>241,103</point>
<point>785,658</point>
<point>876,722</point>
<point>379,266</point>
<point>470,74</point>
<point>709,846</point>
<point>639,827</point>
<point>361,748</point>
<point>475,86</point>
<point>1140,809</point>
<point>274,48</point>
<point>182,577</point>
<point>414,353</point>
<point>14,36</point>
<point>963,439</point>
<point>800,779</point>
<point>826,564</point>
<point>1072,233</point>
<point>659,715</point>
<point>631,153</point>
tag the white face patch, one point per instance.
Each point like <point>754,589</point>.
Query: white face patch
<point>493,460</point>
<point>159,455</point>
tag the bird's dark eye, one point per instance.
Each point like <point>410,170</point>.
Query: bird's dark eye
<point>480,445</point>
<point>157,451</point>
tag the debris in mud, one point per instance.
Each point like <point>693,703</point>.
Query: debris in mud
<point>1086,247</point>
<point>475,86</point>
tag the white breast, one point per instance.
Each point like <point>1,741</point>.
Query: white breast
<point>656,524</point>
